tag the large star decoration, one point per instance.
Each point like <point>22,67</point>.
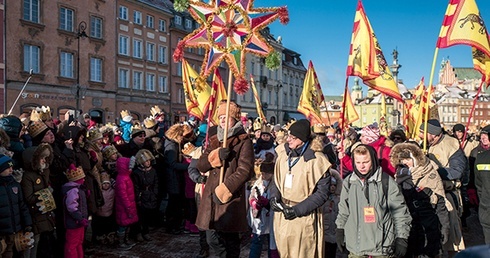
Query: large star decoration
<point>229,29</point>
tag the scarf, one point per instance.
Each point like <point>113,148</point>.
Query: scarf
<point>234,130</point>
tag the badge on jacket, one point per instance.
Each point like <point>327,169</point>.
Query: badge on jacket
<point>369,215</point>
<point>15,189</point>
<point>38,181</point>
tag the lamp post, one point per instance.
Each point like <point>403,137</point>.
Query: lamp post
<point>277,88</point>
<point>80,34</point>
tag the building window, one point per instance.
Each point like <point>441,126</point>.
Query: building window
<point>31,10</point>
<point>137,48</point>
<point>162,54</point>
<point>123,78</point>
<point>66,64</point>
<point>66,19</point>
<point>162,84</point>
<point>149,22</point>
<point>178,20</point>
<point>31,58</point>
<point>150,82</point>
<point>95,69</point>
<point>137,80</point>
<point>180,96</point>
<point>150,51</point>
<point>179,68</point>
<point>137,17</point>
<point>123,13</point>
<point>162,25</point>
<point>95,27</point>
<point>188,24</point>
<point>123,45</point>
<point>252,68</point>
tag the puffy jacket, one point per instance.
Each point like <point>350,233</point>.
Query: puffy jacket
<point>126,213</point>
<point>14,214</point>
<point>75,202</point>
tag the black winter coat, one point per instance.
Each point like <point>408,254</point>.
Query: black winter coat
<point>14,214</point>
<point>145,188</point>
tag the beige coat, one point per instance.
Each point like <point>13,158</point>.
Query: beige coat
<point>301,237</point>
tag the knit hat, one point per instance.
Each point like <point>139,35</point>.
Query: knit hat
<point>459,128</point>
<point>5,162</point>
<point>301,129</point>
<point>74,173</point>
<point>93,135</point>
<point>105,177</point>
<point>11,125</point>
<point>235,110</point>
<point>370,133</point>
<point>117,138</point>
<point>433,127</point>
<point>37,128</point>
<point>486,129</point>
<point>108,151</point>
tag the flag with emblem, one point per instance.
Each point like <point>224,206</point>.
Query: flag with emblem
<point>463,25</point>
<point>218,93</point>
<point>196,101</point>
<point>422,106</point>
<point>258,103</point>
<point>312,97</point>
<point>366,59</point>
<point>412,107</point>
<point>348,114</point>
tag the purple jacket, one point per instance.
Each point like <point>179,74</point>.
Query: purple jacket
<point>126,213</point>
<point>108,208</point>
<point>75,204</point>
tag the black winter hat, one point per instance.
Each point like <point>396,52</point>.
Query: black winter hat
<point>301,129</point>
<point>11,125</point>
<point>459,127</point>
<point>5,162</point>
<point>486,130</point>
<point>433,127</point>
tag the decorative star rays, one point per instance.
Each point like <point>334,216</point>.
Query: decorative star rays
<point>229,29</point>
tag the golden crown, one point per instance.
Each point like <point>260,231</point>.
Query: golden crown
<point>74,173</point>
<point>149,122</point>
<point>156,111</point>
<point>41,113</point>
<point>319,128</point>
<point>125,113</point>
<point>266,128</point>
<point>37,127</point>
<point>94,134</point>
<point>257,124</point>
<point>280,134</point>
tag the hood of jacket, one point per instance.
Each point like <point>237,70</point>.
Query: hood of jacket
<point>32,155</point>
<point>407,150</point>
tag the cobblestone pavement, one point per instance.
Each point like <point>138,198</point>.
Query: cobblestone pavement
<point>184,245</point>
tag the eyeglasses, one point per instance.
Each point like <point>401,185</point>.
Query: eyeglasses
<point>292,137</point>
<point>397,138</point>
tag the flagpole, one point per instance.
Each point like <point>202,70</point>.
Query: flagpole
<point>471,114</point>
<point>225,134</point>
<point>429,100</point>
<point>326,108</point>
<point>342,125</point>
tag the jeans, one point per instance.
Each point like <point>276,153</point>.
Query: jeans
<point>256,245</point>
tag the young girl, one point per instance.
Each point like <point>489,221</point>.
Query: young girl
<point>104,223</point>
<point>145,182</point>
<point>76,212</point>
<point>126,213</point>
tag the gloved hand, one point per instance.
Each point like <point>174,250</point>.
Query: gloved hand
<point>93,156</point>
<point>254,203</point>
<point>472,196</point>
<point>201,179</point>
<point>28,229</point>
<point>276,204</point>
<point>223,153</point>
<point>340,237</point>
<point>83,222</point>
<point>262,201</point>
<point>289,213</point>
<point>401,245</point>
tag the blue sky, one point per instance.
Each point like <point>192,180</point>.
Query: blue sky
<point>321,31</point>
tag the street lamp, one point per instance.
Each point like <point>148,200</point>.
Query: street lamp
<point>277,88</point>
<point>80,34</point>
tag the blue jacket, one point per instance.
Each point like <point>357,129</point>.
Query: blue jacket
<point>14,214</point>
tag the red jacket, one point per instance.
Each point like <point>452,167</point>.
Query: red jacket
<point>126,213</point>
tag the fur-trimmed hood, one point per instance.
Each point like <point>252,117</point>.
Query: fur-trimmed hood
<point>175,133</point>
<point>317,144</point>
<point>31,156</point>
<point>407,150</point>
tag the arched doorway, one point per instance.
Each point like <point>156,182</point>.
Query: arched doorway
<point>97,115</point>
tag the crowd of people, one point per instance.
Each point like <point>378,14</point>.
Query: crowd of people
<point>299,190</point>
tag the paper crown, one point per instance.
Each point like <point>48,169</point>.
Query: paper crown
<point>105,178</point>
<point>188,149</point>
<point>36,128</point>
<point>290,123</point>
<point>136,129</point>
<point>126,116</point>
<point>41,113</point>
<point>149,122</point>
<point>257,124</point>
<point>108,151</point>
<point>265,129</point>
<point>23,240</point>
<point>74,173</point>
<point>155,111</point>
<point>280,134</point>
<point>93,135</point>
<point>319,128</point>
<point>143,155</point>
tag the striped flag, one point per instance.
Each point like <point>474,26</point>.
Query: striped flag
<point>257,100</point>
<point>218,93</point>
<point>312,97</point>
<point>348,114</point>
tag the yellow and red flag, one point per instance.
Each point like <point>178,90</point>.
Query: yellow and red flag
<point>218,93</point>
<point>366,59</point>
<point>463,25</point>
<point>348,113</point>
<point>258,103</point>
<point>312,97</point>
<point>424,103</point>
<point>196,101</point>
<point>412,108</point>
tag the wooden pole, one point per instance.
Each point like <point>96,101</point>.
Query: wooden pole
<point>225,135</point>
<point>426,118</point>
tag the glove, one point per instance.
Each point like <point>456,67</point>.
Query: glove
<point>83,222</point>
<point>472,196</point>
<point>401,245</point>
<point>201,179</point>
<point>223,153</point>
<point>28,229</point>
<point>262,201</point>
<point>93,156</point>
<point>276,204</point>
<point>289,213</point>
<point>216,200</point>
<point>340,236</point>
